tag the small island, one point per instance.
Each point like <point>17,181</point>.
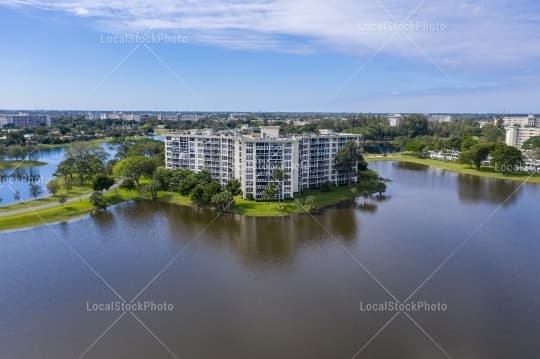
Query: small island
<point>7,164</point>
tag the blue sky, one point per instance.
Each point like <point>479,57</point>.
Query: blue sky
<point>271,55</point>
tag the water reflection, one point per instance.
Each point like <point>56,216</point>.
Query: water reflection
<point>231,294</point>
<point>477,189</point>
<point>18,179</point>
<point>270,240</point>
<point>411,166</point>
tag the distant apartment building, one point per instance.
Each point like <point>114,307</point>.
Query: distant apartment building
<point>516,136</point>
<point>175,117</point>
<point>440,118</point>
<point>24,120</point>
<point>484,123</point>
<point>193,117</point>
<point>525,121</point>
<point>307,161</point>
<point>395,119</point>
<point>119,116</point>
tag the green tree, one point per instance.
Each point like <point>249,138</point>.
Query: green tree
<point>269,191</point>
<point>507,158</point>
<point>146,149</point>
<point>98,200</point>
<point>279,175</point>
<point>223,201</point>
<point>476,154</point>
<point>62,198</point>
<point>35,190</point>
<point>66,169</point>
<point>53,187</point>
<point>381,188</point>
<point>68,185</point>
<point>128,184</point>
<point>234,187</point>
<point>347,159</point>
<point>362,163</point>
<point>467,143</point>
<point>102,183</point>
<point>492,133</point>
<point>532,143</point>
<point>414,125</point>
<point>416,146</point>
<point>153,187</point>
<point>203,192</point>
<point>87,159</point>
<point>135,167</point>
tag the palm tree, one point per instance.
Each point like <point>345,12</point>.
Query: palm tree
<point>279,175</point>
<point>269,191</point>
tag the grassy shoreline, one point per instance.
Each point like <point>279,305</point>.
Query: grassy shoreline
<point>83,207</point>
<point>486,172</point>
<point>6,164</point>
<point>319,199</point>
<point>62,145</point>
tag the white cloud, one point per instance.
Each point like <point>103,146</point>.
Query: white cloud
<point>480,33</point>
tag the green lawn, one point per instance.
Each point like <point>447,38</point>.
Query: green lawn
<point>49,215</point>
<point>244,207</point>
<point>4,164</point>
<point>59,213</point>
<point>273,209</point>
<point>60,145</point>
<point>75,192</point>
<point>488,172</point>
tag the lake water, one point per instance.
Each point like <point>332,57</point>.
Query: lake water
<point>293,287</point>
<point>19,179</point>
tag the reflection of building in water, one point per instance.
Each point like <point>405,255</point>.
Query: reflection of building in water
<point>279,239</point>
<point>255,239</point>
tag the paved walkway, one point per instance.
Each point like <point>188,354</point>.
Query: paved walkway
<point>30,209</point>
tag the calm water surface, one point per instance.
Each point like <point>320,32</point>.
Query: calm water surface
<point>19,179</point>
<point>286,287</point>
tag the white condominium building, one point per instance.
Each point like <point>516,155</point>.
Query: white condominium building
<point>529,121</point>
<point>24,120</point>
<point>440,118</point>
<point>307,161</point>
<point>516,136</point>
<point>395,119</point>
<point>202,149</point>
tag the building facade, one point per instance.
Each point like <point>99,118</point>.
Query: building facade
<point>516,136</point>
<point>307,161</point>
<point>529,121</point>
<point>24,120</point>
<point>395,119</point>
<point>440,118</point>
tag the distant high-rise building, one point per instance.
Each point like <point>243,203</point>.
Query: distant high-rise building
<point>440,118</point>
<point>395,119</point>
<point>24,120</point>
<point>528,121</point>
<point>193,117</point>
<point>516,136</point>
